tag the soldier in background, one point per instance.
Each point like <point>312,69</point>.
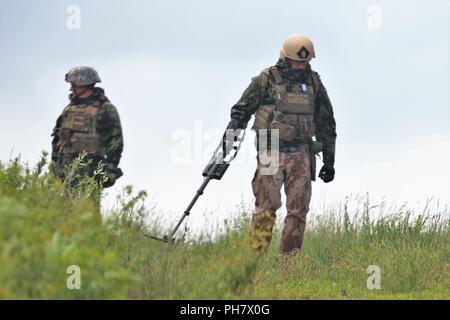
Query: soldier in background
<point>90,124</point>
<point>291,98</point>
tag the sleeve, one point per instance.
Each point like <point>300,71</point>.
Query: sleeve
<point>325,124</point>
<point>55,140</point>
<point>110,130</point>
<point>247,105</point>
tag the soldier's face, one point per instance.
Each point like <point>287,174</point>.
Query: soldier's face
<point>81,91</point>
<point>297,65</point>
<point>76,90</point>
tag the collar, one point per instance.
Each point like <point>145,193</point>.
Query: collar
<point>289,74</point>
<point>97,95</point>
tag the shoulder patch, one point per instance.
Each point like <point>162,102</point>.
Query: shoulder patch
<point>316,80</point>
<point>263,81</point>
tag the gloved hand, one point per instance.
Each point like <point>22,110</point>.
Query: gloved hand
<point>111,179</point>
<point>326,173</point>
<point>112,174</point>
<point>231,133</point>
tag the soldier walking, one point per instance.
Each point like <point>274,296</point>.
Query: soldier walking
<point>290,102</point>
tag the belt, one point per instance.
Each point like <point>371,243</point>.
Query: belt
<point>292,149</point>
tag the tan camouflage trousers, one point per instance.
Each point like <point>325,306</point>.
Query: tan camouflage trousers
<point>295,174</point>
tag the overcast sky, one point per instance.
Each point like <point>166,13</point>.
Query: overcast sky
<point>175,68</point>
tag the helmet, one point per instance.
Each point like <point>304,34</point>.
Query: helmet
<point>82,76</point>
<point>297,47</point>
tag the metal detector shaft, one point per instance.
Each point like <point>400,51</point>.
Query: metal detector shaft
<point>214,170</point>
<point>188,209</point>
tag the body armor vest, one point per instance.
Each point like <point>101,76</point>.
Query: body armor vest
<point>292,112</point>
<point>78,130</point>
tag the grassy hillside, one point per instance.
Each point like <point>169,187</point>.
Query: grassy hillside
<point>45,227</point>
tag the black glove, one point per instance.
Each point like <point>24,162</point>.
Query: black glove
<point>228,139</point>
<point>112,175</point>
<point>326,173</point>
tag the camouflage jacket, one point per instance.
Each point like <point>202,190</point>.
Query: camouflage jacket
<point>107,125</point>
<point>324,120</point>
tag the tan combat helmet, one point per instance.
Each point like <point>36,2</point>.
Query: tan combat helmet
<point>298,47</point>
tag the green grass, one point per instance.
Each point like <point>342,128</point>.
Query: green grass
<point>45,227</point>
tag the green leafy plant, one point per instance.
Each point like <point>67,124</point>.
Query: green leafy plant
<point>47,225</point>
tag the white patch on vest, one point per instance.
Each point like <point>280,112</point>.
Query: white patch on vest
<point>303,87</point>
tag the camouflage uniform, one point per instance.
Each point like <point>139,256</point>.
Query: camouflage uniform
<point>296,158</point>
<point>92,125</point>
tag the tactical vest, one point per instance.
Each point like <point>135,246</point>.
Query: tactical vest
<point>78,130</point>
<point>293,110</point>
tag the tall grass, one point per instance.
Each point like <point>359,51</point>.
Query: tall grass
<point>47,226</point>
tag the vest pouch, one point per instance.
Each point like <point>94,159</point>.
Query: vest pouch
<point>296,103</point>
<point>284,124</point>
<point>80,121</point>
<point>305,125</point>
<point>63,137</point>
<point>263,117</point>
<point>316,147</point>
<point>88,143</point>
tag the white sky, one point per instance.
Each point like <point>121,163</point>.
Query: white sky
<point>178,66</point>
